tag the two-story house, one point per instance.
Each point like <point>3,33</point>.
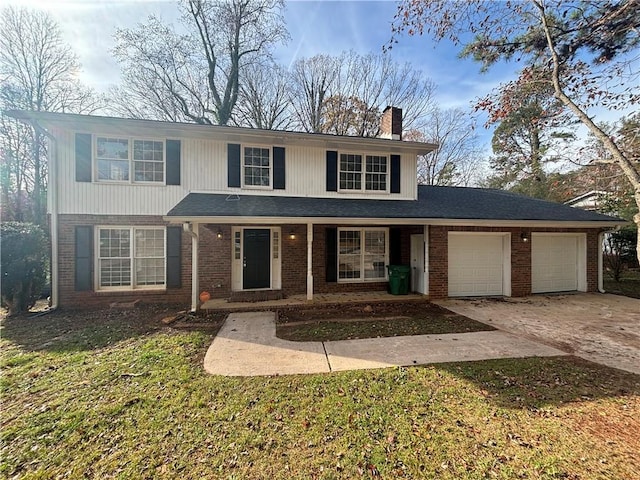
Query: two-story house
<point>162,211</point>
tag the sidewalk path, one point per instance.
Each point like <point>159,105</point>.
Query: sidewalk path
<point>247,345</point>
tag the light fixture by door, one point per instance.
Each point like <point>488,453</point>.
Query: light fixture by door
<point>524,236</point>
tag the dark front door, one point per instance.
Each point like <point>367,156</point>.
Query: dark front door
<point>256,271</point>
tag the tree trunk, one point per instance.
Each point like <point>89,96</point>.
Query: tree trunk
<point>630,170</point>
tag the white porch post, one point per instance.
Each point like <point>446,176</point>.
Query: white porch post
<point>309,261</point>
<point>426,259</point>
<point>193,230</point>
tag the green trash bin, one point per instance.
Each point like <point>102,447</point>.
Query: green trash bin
<point>399,279</point>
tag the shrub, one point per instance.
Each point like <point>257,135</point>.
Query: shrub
<point>620,250</point>
<point>24,256</point>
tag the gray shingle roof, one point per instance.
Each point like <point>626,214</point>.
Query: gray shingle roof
<point>433,203</point>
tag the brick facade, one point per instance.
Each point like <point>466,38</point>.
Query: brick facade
<point>70,298</point>
<point>215,261</point>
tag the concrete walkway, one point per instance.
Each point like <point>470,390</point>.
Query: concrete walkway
<point>247,345</point>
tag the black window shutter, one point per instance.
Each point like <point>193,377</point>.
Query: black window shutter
<point>233,165</point>
<point>83,157</point>
<point>174,257</point>
<point>395,246</point>
<point>279,177</point>
<point>395,173</point>
<point>332,171</point>
<point>84,258</point>
<point>173,162</point>
<point>331,254</point>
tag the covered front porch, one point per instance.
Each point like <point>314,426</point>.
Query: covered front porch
<point>245,265</point>
<point>350,298</point>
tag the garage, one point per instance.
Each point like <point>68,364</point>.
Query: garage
<point>479,264</point>
<point>558,262</point>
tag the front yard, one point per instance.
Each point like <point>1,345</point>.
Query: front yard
<point>629,284</point>
<point>117,394</point>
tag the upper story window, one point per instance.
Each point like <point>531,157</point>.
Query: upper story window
<point>257,167</point>
<point>369,175</point>
<point>117,158</point>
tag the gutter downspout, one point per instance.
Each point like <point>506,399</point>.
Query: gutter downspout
<point>600,263</point>
<point>53,191</point>
<point>193,230</point>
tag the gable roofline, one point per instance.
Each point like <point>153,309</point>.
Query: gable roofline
<point>93,123</point>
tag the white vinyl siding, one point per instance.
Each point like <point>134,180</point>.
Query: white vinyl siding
<point>203,169</point>
<point>362,254</point>
<point>130,257</point>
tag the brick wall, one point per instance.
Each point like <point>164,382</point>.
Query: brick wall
<point>520,257</point>
<point>70,298</point>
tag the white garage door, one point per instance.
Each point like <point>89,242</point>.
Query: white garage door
<point>554,263</point>
<point>476,265</point>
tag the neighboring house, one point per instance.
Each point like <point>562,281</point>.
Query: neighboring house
<point>591,201</point>
<point>162,211</point>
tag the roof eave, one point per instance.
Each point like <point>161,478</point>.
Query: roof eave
<point>271,220</point>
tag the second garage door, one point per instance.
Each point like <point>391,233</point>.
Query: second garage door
<point>555,265</point>
<point>477,265</point>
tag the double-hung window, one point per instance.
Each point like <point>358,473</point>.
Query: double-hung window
<point>257,167</point>
<point>363,172</point>
<point>131,257</point>
<point>129,160</point>
<point>362,254</point>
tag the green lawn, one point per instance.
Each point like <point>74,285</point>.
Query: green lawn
<point>116,395</point>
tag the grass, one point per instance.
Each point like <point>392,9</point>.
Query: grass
<point>371,321</point>
<point>629,284</point>
<point>120,396</point>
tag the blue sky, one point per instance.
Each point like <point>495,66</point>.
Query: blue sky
<point>328,27</point>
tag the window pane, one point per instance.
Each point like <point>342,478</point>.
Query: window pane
<point>257,166</point>
<point>113,170</point>
<point>376,173</point>
<point>112,148</point>
<point>115,273</point>
<point>349,266</point>
<point>349,242</point>
<point>148,156</point>
<point>114,243</point>
<point>149,243</point>
<point>350,171</point>
<point>150,271</point>
<point>374,242</point>
<point>374,266</point>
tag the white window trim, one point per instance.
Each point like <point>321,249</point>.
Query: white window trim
<point>363,173</point>
<point>132,257</point>
<point>94,159</point>
<point>242,166</point>
<point>362,230</point>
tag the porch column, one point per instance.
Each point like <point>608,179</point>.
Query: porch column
<point>309,261</point>
<point>193,230</point>
<point>426,259</point>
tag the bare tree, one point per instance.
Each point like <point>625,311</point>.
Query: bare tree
<point>312,82</point>
<point>197,76</point>
<point>264,100</point>
<point>37,72</point>
<point>345,94</point>
<point>458,153</point>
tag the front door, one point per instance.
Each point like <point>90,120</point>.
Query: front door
<point>417,263</point>
<point>256,264</point>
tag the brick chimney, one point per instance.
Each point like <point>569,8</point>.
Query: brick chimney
<point>391,123</point>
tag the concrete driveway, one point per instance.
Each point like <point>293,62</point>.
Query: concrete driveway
<point>600,328</point>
